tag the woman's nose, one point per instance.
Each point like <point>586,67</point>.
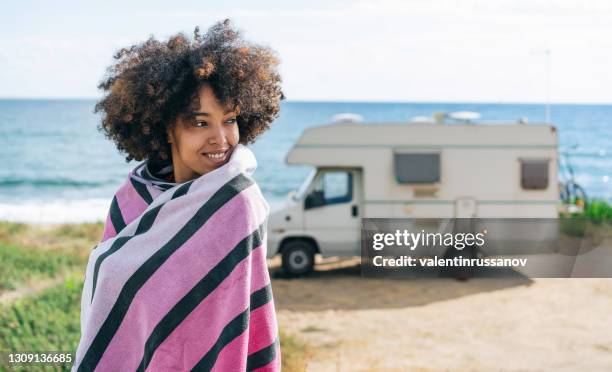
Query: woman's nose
<point>217,136</point>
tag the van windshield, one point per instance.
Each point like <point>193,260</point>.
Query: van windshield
<point>300,193</point>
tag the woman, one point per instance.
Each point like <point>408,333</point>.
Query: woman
<point>179,280</point>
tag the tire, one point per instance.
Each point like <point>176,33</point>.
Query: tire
<point>298,257</point>
<point>460,273</point>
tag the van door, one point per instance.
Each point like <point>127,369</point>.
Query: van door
<point>466,207</point>
<point>332,211</point>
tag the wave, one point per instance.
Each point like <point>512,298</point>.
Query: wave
<point>55,211</point>
<point>68,211</point>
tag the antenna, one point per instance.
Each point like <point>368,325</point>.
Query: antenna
<point>547,53</point>
<point>547,109</point>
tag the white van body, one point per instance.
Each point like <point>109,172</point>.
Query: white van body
<point>477,170</point>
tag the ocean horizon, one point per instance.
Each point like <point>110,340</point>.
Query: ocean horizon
<point>57,166</point>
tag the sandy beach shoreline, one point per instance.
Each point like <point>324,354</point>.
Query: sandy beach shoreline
<point>515,324</point>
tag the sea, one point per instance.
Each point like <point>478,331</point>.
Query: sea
<point>57,167</point>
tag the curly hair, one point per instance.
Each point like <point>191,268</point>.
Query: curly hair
<point>153,83</point>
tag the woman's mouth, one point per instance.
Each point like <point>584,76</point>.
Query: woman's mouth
<point>217,157</point>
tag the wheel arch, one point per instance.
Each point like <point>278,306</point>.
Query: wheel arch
<point>306,238</point>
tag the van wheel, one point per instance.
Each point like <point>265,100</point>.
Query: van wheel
<point>460,273</point>
<point>298,257</point>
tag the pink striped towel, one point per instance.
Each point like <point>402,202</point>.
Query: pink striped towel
<point>179,281</point>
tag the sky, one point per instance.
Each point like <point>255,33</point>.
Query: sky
<point>498,51</point>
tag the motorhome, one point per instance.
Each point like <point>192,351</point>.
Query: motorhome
<point>410,170</point>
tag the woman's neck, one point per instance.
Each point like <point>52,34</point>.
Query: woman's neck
<point>182,173</point>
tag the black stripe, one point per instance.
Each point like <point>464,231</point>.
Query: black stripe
<point>198,293</point>
<point>147,220</point>
<point>232,330</point>
<point>137,280</point>
<point>261,297</point>
<point>164,186</point>
<point>262,357</point>
<point>115,215</point>
<point>118,243</point>
<point>141,189</point>
<point>182,190</point>
<point>144,225</point>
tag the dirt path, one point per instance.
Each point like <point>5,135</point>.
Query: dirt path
<point>36,285</point>
<point>515,324</point>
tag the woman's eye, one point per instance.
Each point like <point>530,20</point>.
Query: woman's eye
<point>204,124</point>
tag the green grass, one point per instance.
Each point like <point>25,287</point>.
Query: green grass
<point>20,264</point>
<point>599,211</point>
<point>34,252</point>
<point>47,322</point>
<point>74,239</point>
<point>596,217</point>
<point>50,320</point>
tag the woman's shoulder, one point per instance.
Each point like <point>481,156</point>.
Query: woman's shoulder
<point>252,197</point>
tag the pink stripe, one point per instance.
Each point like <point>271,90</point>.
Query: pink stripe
<point>233,355</point>
<point>183,270</point>
<point>273,366</point>
<point>201,328</point>
<point>109,229</point>
<point>262,326</point>
<point>130,202</point>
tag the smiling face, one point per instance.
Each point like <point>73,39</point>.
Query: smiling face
<point>205,141</point>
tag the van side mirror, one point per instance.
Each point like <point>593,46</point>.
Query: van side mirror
<point>314,199</point>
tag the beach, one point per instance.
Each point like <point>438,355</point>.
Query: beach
<point>336,320</point>
<point>515,324</point>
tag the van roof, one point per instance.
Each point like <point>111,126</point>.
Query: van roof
<point>427,136</point>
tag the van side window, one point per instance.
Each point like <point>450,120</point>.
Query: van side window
<point>337,187</point>
<point>417,167</point>
<point>534,174</point>
<point>331,187</point>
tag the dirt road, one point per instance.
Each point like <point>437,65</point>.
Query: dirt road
<point>516,324</point>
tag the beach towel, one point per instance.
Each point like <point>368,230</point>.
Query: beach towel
<point>179,281</point>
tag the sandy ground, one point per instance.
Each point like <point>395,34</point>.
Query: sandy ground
<point>513,324</point>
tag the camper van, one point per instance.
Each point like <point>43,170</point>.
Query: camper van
<point>410,170</point>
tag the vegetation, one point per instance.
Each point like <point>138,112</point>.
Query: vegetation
<point>49,321</point>
<point>294,353</point>
<point>593,218</point>
<point>596,211</point>
<point>23,264</point>
<point>31,253</point>
<point>599,211</point>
